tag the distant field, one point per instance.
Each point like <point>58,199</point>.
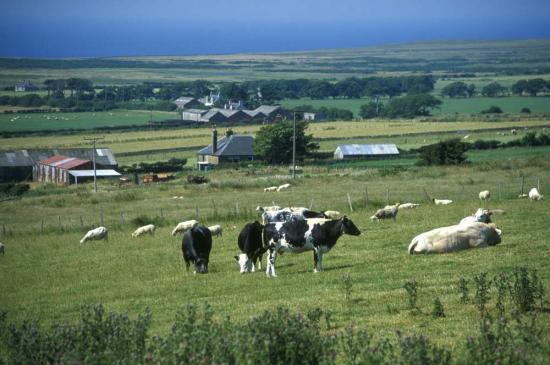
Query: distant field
<point>512,104</point>
<point>86,120</point>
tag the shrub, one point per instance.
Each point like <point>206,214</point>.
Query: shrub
<point>525,110</point>
<point>492,110</point>
<point>463,287</point>
<point>450,152</point>
<point>411,289</point>
<point>143,220</point>
<point>13,189</point>
<point>482,292</point>
<point>525,289</point>
<point>438,310</point>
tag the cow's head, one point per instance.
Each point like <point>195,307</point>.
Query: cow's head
<point>349,227</point>
<point>245,264</point>
<point>201,266</point>
<point>483,215</point>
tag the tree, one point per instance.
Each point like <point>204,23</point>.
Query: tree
<point>492,110</point>
<point>370,110</point>
<point>535,86</point>
<point>320,89</point>
<point>349,88</point>
<point>233,91</point>
<point>493,89</point>
<point>450,152</point>
<point>411,105</point>
<point>458,89</point>
<point>274,142</point>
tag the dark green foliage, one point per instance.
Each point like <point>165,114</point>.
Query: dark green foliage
<point>502,286</point>
<point>525,289</point>
<point>481,296</point>
<point>417,349</point>
<point>410,106</point>
<point>449,152</point>
<point>463,287</point>
<point>500,342</point>
<point>274,142</point>
<point>525,110</point>
<point>347,286</point>
<point>335,113</point>
<point>411,287</point>
<point>493,89</point>
<point>370,110</point>
<point>531,87</point>
<point>142,220</point>
<point>458,89</point>
<point>13,189</point>
<point>438,310</point>
<point>492,110</point>
<point>172,165</point>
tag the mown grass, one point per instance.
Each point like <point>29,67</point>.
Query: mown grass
<point>50,275</point>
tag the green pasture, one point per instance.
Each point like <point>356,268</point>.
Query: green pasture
<point>51,275</point>
<point>84,120</point>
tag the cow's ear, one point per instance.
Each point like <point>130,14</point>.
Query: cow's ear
<point>236,258</point>
<point>490,213</point>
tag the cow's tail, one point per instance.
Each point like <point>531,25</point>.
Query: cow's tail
<point>412,246</point>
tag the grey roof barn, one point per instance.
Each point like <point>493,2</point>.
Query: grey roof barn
<point>230,148</point>
<point>365,150</point>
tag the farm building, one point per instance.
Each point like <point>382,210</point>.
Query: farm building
<point>187,103</point>
<point>18,165</point>
<point>358,151</point>
<point>233,113</point>
<point>211,99</point>
<point>267,113</point>
<point>68,170</point>
<point>230,148</point>
<point>193,115</point>
<point>25,86</point>
<point>309,116</point>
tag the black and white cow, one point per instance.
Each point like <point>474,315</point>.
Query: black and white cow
<point>299,235</point>
<point>286,214</point>
<point>250,244</point>
<point>195,246</point>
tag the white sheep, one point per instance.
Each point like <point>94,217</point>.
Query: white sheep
<point>331,214</point>
<point>481,215</point>
<point>184,226</point>
<point>271,188</point>
<point>408,206</point>
<point>216,230</point>
<point>2,248</point>
<point>282,187</point>
<point>484,195</point>
<point>386,213</point>
<point>441,201</point>
<point>98,233</point>
<point>535,195</point>
<point>150,228</point>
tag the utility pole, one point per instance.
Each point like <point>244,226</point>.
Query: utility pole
<point>94,139</point>
<point>294,148</point>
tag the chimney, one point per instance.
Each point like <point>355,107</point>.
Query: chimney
<point>214,140</point>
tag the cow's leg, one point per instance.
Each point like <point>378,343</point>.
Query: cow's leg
<point>271,257</point>
<point>318,260</point>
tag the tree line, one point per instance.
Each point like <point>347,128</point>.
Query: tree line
<point>531,87</point>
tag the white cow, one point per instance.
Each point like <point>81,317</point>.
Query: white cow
<point>282,187</point>
<point>271,208</point>
<point>484,195</point>
<point>184,226</point>
<point>408,206</point>
<point>216,230</point>
<point>271,188</point>
<point>535,195</point>
<point>150,228</point>
<point>455,238</point>
<point>481,215</point>
<point>441,201</point>
<point>98,233</point>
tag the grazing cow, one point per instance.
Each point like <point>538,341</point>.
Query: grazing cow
<point>484,195</point>
<point>271,188</point>
<point>481,215</point>
<point>195,246</point>
<point>299,235</point>
<point>286,214</point>
<point>408,206</point>
<point>535,195</point>
<point>250,244</point>
<point>150,228</point>
<point>455,238</point>
<point>385,213</point>
<point>98,233</point>
<point>216,230</point>
<point>2,248</point>
<point>441,201</point>
<point>184,226</point>
<point>282,187</point>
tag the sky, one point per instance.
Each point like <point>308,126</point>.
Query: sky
<point>104,28</point>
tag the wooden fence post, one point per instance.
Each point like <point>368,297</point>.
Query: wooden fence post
<point>81,222</point>
<point>366,195</point>
<point>349,202</point>
<point>101,217</point>
<point>522,183</point>
<point>42,226</point>
<point>215,208</point>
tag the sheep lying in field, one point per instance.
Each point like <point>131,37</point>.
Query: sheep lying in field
<point>535,195</point>
<point>408,206</point>
<point>2,248</point>
<point>282,187</point>
<point>385,213</point>
<point>441,201</point>
<point>455,238</point>
<point>271,188</point>
<point>216,230</point>
<point>150,228</point>
<point>98,233</point>
<point>184,226</point>
<point>484,195</point>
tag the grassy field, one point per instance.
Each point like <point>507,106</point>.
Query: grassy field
<point>510,104</point>
<point>51,274</point>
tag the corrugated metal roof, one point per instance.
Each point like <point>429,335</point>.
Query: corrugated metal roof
<point>63,162</point>
<point>235,145</point>
<point>368,149</point>
<point>29,157</point>
<point>90,173</point>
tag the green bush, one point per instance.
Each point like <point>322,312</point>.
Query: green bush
<point>450,152</point>
<point>492,110</point>
<point>13,189</point>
